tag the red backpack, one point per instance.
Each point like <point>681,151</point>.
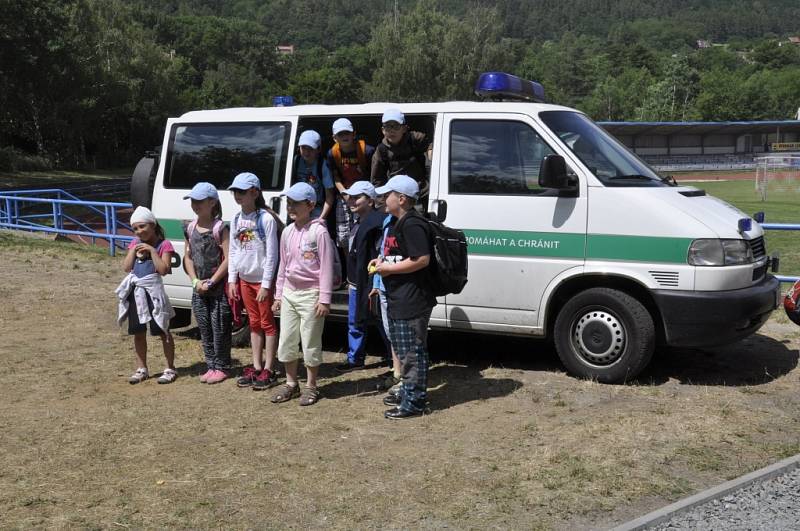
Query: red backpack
<point>791,303</point>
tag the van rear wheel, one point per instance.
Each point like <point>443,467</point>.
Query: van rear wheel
<point>604,334</point>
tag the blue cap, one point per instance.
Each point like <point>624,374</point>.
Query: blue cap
<point>342,124</point>
<point>310,138</point>
<point>301,192</point>
<point>393,115</point>
<point>202,191</point>
<point>245,181</point>
<point>362,187</point>
<point>402,184</point>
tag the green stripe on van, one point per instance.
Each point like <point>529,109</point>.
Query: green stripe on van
<point>550,244</point>
<point>523,243</point>
<point>637,248</point>
<point>571,245</point>
<point>173,228</point>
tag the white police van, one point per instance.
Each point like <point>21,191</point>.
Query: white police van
<point>570,235</point>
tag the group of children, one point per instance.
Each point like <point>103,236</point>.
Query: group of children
<point>269,270</point>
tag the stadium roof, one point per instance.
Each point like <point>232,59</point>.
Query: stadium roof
<point>700,128</point>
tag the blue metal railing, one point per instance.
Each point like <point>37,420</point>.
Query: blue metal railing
<point>782,226</point>
<point>20,210</point>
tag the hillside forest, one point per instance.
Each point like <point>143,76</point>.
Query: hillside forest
<point>90,83</point>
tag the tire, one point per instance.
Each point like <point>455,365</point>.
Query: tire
<point>142,181</point>
<point>604,334</point>
<point>183,318</point>
<point>240,337</point>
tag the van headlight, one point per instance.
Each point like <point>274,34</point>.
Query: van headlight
<point>716,252</point>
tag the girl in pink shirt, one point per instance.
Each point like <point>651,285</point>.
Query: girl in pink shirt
<point>303,293</point>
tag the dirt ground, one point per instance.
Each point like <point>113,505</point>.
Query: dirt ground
<point>512,442</point>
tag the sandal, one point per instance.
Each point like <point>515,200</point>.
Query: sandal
<point>139,376</point>
<point>309,396</point>
<point>285,393</point>
<point>168,376</point>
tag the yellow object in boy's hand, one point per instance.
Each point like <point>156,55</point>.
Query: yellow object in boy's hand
<point>372,269</point>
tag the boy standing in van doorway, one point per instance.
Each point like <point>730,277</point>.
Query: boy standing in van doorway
<point>350,161</point>
<point>401,152</point>
<point>407,254</point>
<point>311,168</point>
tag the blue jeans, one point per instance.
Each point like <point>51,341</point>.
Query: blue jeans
<point>357,335</point>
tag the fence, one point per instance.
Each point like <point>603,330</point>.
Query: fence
<point>63,213</point>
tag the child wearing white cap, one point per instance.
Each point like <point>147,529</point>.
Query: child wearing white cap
<point>206,263</point>
<point>252,259</point>
<point>350,161</point>
<point>303,293</point>
<point>401,152</point>
<point>311,168</point>
<point>405,258</point>
<point>141,294</point>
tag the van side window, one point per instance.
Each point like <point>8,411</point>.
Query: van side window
<point>216,153</point>
<point>495,157</point>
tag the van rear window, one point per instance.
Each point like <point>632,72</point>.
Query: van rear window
<point>216,153</point>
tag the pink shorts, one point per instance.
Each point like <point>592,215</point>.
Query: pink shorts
<point>258,313</point>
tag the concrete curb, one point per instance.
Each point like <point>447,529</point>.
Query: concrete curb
<point>665,513</point>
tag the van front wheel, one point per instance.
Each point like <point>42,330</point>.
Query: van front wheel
<point>604,334</point>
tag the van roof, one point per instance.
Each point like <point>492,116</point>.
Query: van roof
<point>247,114</point>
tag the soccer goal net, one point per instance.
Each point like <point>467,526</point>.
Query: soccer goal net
<point>777,175</point>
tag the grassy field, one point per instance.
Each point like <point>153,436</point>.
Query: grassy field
<point>781,207</point>
<point>513,442</point>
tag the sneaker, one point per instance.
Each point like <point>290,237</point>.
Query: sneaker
<point>205,375</point>
<point>395,389</point>
<point>387,382</point>
<point>168,376</point>
<point>139,376</point>
<point>391,400</point>
<point>217,377</point>
<point>347,367</point>
<point>248,377</point>
<point>264,380</point>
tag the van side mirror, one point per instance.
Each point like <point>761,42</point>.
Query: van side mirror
<point>553,173</point>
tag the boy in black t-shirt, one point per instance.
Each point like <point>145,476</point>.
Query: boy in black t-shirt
<point>407,254</point>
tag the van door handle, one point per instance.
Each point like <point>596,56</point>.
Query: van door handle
<point>275,204</point>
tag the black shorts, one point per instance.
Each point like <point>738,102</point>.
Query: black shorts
<point>134,326</point>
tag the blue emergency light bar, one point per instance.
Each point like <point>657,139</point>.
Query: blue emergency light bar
<point>499,85</point>
<point>282,101</point>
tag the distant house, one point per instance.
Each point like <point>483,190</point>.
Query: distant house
<point>285,49</point>
<point>795,40</point>
<point>702,43</point>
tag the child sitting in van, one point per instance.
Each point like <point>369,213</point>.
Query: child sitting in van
<point>311,168</point>
<point>401,152</point>
<point>350,161</point>
<point>141,294</point>
<point>303,293</point>
<point>406,256</point>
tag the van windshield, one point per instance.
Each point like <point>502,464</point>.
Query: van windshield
<point>216,153</point>
<point>609,160</point>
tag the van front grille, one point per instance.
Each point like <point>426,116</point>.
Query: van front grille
<point>758,248</point>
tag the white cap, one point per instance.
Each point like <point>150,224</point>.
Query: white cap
<point>342,124</point>
<point>301,192</point>
<point>362,187</point>
<point>310,138</point>
<point>402,184</point>
<point>142,215</point>
<point>393,115</point>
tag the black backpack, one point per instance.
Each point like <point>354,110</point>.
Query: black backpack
<point>449,264</point>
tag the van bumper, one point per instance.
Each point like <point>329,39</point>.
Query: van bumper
<point>711,318</point>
